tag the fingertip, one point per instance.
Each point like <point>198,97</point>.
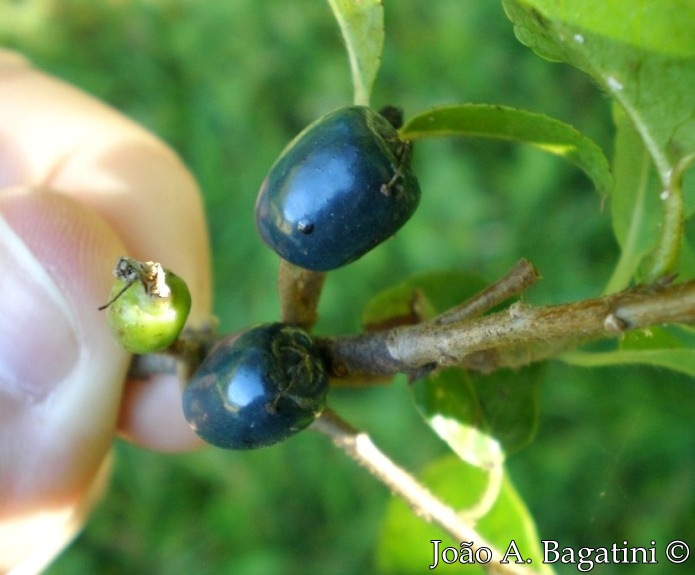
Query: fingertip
<point>56,136</point>
<point>152,417</point>
<point>59,397</point>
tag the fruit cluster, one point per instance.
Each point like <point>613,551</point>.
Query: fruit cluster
<point>340,188</point>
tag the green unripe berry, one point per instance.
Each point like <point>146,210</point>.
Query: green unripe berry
<point>148,306</point>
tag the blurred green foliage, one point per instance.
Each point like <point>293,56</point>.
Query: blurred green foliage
<point>227,84</point>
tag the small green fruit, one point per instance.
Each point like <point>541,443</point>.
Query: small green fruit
<point>148,306</point>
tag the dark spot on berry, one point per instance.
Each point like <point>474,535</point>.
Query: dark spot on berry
<point>305,227</point>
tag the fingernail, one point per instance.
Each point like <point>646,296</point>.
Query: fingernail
<point>38,341</point>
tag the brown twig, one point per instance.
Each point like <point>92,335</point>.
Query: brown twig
<point>516,336</point>
<point>299,291</point>
<point>522,276</point>
<point>424,503</point>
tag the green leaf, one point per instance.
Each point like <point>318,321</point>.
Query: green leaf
<point>635,209</point>
<point>405,544</point>
<point>449,403</point>
<point>670,347</point>
<point>510,403</point>
<point>489,121</point>
<point>686,267</point>
<point>362,25</point>
<point>482,417</point>
<point>643,55</point>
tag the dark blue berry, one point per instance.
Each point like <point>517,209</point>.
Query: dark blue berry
<point>256,388</point>
<point>340,188</point>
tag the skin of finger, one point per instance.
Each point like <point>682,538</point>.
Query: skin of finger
<point>55,136</point>
<point>54,448</point>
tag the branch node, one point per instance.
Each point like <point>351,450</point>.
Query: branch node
<point>614,323</point>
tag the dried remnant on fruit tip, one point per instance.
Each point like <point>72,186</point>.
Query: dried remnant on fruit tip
<point>157,284</point>
<point>151,274</point>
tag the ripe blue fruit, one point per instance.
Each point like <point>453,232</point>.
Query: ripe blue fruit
<point>256,388</point>
<point>340,188</point>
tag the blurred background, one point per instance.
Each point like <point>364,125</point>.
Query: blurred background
<point>227,84</point>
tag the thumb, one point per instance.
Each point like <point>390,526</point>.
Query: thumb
<point>60,370</point>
